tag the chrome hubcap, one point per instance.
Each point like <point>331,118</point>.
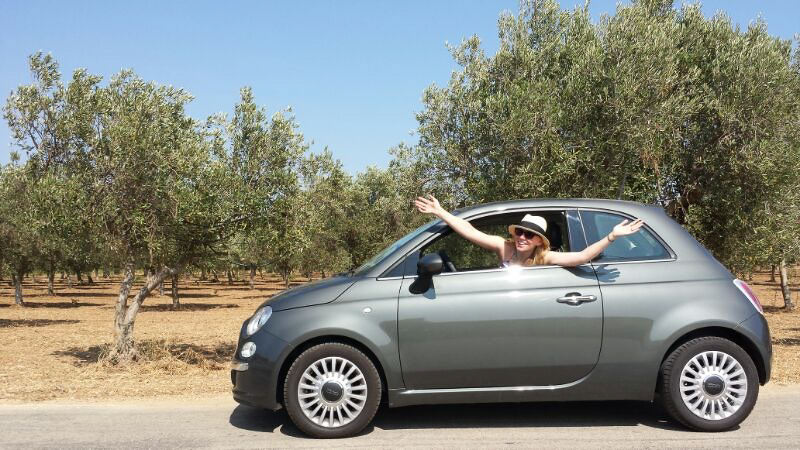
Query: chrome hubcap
<point>713,385</point>
<point>332,392</point>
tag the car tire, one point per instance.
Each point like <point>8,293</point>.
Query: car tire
<point>332,390</point>
<point>709,384</point>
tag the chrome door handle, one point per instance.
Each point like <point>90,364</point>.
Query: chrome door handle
<point>575,299</point>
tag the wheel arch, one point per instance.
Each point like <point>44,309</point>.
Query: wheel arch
<point>726,333</point>
<point>287,362</point>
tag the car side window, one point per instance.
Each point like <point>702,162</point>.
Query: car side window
<point>466,256</point>
<point>642,245</point>
<point>463,254</point>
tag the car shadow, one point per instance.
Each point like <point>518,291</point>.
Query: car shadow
<point>496,415</point>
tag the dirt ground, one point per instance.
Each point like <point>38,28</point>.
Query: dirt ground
<point>52,348</point>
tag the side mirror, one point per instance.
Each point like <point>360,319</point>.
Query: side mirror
<point>430,265</point>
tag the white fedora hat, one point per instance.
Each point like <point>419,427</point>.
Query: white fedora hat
<point>534,224</point>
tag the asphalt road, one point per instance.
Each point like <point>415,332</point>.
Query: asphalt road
<point>221,423</point>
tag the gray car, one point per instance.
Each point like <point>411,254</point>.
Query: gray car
<point>432,319</point>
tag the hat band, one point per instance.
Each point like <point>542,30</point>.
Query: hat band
<point>533,227</point>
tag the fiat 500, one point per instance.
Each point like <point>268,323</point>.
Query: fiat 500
<point>433,319</point>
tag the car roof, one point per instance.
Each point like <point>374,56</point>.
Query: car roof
<point>633,208</point>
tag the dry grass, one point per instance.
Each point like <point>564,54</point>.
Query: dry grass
<point>784,327</point>
<point>54,348</point>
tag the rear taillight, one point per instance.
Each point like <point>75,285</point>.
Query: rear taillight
<point>749,294</point>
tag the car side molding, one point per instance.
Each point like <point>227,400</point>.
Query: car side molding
<point>408,397</point>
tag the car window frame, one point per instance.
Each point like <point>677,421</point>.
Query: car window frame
<point>571,215</point>
<point>672,255</point>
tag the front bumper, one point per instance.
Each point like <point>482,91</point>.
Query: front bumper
<point>255,379</point>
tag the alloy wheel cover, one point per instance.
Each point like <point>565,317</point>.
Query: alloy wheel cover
<point>713,385</point>
<point>332,392</point>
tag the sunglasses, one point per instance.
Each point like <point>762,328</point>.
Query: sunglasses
<point>528,234</point>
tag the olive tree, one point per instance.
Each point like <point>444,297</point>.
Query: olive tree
<point>18,249</point>
<point>324,188</point>
<point>263,154</point>
<point>143,173</point>
<point>43,118</point>
<point>652,104</point>
<point>739,155</point>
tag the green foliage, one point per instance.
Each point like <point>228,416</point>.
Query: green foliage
<point>43,118</point>
<point>264,157</point>
<point>325,185</point>
<point>18,243</point>
<point>651,104</point>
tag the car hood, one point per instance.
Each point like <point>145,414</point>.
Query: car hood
<point>316,293</point>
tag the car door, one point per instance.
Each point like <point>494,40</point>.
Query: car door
<point>492,327</point>
<point>639,280</point>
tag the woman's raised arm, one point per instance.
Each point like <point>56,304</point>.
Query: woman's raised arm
<point>571,259</point>
<point>431,206</point>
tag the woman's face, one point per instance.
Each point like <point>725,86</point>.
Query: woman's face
<point>525,244</point>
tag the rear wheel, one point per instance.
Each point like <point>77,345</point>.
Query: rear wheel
<point>332,390</point>
<point>709,384</point>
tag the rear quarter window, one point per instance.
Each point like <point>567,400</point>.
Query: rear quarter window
<point>640,246</point>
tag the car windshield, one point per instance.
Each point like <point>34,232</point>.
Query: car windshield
<point>397,244</point>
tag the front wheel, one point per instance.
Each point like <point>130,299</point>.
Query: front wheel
<point>709,384</point>
<point>332,390</point>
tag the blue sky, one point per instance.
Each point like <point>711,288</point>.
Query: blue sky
<point>352,71</point>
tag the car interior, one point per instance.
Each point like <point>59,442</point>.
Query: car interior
<point>460,255</point>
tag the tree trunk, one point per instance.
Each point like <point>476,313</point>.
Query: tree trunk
<point>51,275</point>
<point>17,279</point>
<point>123,335</point>
<point>176,301</point>
<point>787,294</point>
<point>203,276</point>
<point>125,315</point>
<point>216,277</point>
<point>252,277</point>
<point>79,277</point>
<point>161,289</point>
<point>89,279</point>
<point>772,273</point>
<point>230,277</point>
<point>69,281</point>
<point>106,273</point>
<point>287,278</point>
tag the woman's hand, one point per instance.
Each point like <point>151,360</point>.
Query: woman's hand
<point>428,205</point>
<point>569,259</point>
<point>624,228</point>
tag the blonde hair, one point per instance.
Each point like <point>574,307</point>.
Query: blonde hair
<point>537,257</point>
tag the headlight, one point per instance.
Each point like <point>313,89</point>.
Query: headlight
<point>258,320</point>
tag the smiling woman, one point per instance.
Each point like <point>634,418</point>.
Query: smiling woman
<point>529,244</point>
